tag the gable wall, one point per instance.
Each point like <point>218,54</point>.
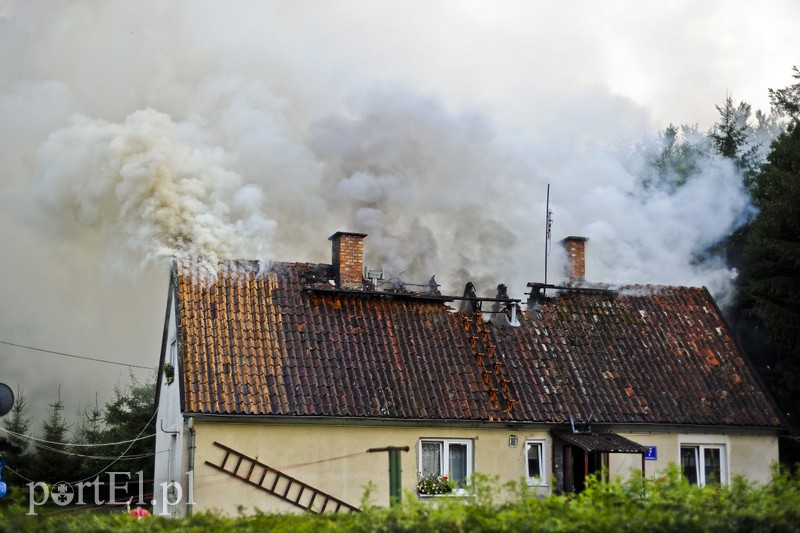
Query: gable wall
<point>170,442</point>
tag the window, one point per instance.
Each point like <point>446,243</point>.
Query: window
<point>446,457</point>
<point>169,366</point>
<point>173,352</point>
<point>534,462</point>
<point>703,464</point>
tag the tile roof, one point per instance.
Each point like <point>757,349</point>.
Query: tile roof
<point>262,340</point>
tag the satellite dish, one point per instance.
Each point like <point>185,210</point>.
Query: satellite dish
<point>6,399</point>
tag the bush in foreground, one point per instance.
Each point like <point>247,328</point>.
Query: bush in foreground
<point>666,504</point>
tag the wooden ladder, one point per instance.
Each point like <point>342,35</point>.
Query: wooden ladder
<point>280,485</point>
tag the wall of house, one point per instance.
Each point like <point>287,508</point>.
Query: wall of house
<point>335,459</point>
<point>751,456</point>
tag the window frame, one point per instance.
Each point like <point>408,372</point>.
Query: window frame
<point>700,472</point>
<point>531,481</point>
<point>444,459</point>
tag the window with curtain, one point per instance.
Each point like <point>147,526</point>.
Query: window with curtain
<point>446,457</point>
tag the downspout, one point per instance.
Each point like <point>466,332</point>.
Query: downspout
<point>190,465</point>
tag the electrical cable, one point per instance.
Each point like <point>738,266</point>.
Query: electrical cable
<point>120,457</point>
<point>152,417</point>
<point>64,354</point>
<point>100,457</point>
<point>17,473</point>
<point>34,439</point>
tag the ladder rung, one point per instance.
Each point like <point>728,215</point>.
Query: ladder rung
<point>279,476</point>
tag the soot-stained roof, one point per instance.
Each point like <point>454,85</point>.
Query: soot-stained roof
<point>264,340</point>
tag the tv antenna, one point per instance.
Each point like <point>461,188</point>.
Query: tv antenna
<point>548,224</point>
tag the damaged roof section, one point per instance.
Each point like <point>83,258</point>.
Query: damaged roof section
<point>284,341</point>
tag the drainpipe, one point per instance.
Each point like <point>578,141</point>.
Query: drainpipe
<point>190,496</point>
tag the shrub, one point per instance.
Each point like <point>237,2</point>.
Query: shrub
<point>665,504</point>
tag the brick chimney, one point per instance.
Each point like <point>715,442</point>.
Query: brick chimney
<point>576,257</point>
<point>348,259</point>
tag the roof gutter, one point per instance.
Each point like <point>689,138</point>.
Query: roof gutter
<point>514,425</point>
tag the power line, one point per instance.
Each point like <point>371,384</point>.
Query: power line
<point>53,352</point>
<point>103,457</point>
<point>109,465</point>
<point>122,457</point>
<point>34,439</point>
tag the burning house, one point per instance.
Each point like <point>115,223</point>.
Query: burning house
<point>286,386</point>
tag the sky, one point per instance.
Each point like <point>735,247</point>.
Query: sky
<point>135,132</point>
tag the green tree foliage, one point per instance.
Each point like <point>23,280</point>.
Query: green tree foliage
<point>18,421</point>
<point>59,456</point>
<point>681,153</point>
<point>677,155</point>
<point>732,137</point>
<point>771,266</point>
<point>54,460</point>
<point>787,101</point>
<point>130,415</point>
<point>90,430</point>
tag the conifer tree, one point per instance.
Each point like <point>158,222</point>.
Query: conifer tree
<point>130,415</point>
<point>18,421</point>
<point>54,460</point>
<point>90,430</point>
<point>770,272</point>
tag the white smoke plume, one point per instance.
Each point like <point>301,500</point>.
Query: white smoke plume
<point>154,185</point>
<point>134,132</point>
<point>444,192</point>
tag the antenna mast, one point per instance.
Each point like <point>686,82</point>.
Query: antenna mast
<point>548,223</point>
